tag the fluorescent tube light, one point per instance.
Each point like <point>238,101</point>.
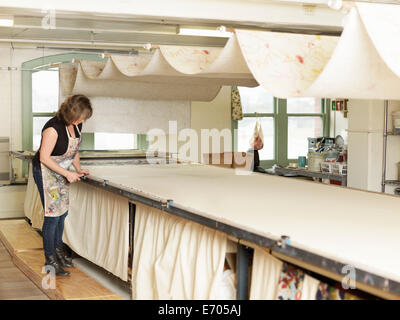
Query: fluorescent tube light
<point>204,32</point>
<point>6,21</point>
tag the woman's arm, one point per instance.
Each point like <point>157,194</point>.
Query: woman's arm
<point>49,140</point>
<point>77,164</point>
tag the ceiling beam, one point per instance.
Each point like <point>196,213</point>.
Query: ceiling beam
<point>233,13</point>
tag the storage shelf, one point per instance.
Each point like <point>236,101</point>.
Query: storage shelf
<point>312,174</point>
<point>393,182</point>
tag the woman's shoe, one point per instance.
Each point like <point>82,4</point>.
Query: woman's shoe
<point>63,259</point>
<point>52,261</point>
<point>68,253</point>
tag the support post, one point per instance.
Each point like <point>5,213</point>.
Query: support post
<point>132,209</point>
<point>386,104</point>
<point>242,272</point>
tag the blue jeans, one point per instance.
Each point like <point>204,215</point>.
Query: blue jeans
<point>53,227</point>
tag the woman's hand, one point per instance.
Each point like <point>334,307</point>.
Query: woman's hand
<point>73,176</point>
<point>83,171</point>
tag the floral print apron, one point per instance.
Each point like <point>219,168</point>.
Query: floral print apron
<point>56,186</point>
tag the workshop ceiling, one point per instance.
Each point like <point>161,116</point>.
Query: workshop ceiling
<point>109,29</point>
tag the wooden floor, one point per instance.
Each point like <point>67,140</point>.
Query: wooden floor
<point>22,250</point>
<point>14,285</point>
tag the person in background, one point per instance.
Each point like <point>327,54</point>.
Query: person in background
<point>256,143</point>
<point>58,151</point>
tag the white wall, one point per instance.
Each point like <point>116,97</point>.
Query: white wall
<point>10,91</point>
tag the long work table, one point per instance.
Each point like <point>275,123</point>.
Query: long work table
<point>323,226</point>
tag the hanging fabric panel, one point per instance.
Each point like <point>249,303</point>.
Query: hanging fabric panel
<point>361,64</point>
<point>356,70</point>
<point>175,258</point>
<point>382,23</point>
<point>237,112</point>
<point>123,115</point>
<point>285,64</point>
<point>97,228</point>
<point>265,275</point>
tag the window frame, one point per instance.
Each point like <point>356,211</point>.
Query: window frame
<point>45,63</point>
<point>281,134</point>
<point>39,114</point>
<point>28,69</point>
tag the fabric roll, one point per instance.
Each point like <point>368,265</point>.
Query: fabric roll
<point>266,272</point>
<point>175,258</point>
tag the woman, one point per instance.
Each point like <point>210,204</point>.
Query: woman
<point>59,149</point>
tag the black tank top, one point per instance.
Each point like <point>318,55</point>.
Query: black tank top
<point>62,140</point>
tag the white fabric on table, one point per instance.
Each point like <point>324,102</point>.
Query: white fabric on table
<point>175,258</point>
<point>97,228</point>
<point>363,228</point>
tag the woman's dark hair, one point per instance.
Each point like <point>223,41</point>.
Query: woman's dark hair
<point>74,108</point>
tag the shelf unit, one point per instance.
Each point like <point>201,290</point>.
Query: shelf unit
<point>386,133</point>
<point>312,174</point>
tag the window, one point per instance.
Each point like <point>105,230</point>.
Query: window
<point>286,124</point>
<point>299,129</point>
<point>257,104</point>
<point>40,102</point>
<point>305,120</point>
<point>245,133</point>
<point>114,141</point>
<point>44,100</point>
<point>38,124</point>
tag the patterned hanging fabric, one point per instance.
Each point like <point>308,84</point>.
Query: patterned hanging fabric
<point>237,113</point>
<point>290,284</point>
<point>328,292</point>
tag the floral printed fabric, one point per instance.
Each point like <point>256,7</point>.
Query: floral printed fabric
<point>290,283</point>
<point>237,113</point>
<point>327,292</point>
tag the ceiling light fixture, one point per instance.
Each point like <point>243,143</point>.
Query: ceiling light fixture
<point>6,21</point>
<point>335,4</point>
<point>219,32</point>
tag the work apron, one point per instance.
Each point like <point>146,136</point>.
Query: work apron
<point>56,186</point>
